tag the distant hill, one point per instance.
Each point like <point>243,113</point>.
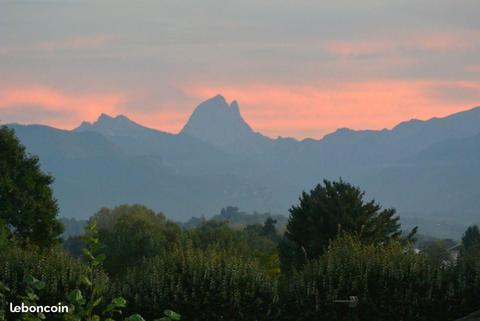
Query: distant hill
<point>428,169</point>
<point>92,171</point>
<point>236,218</point>
<point>72,227</point>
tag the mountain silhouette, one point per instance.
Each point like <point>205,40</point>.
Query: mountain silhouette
<point>216,122</point>
<point>215,118</point>
<point>115,126</point>
<point>403,141</point>
<point>428,170</point>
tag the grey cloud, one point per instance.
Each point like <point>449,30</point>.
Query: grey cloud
<point>458,94</point>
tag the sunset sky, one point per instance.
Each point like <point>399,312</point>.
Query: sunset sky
<point>297,68</point>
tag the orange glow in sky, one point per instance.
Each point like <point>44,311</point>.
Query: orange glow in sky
<point>272,110</point>
<point>300,69</point>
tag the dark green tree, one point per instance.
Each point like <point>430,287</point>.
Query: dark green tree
<point>471,238</point>
<point>27,205</point>
<point>131,233</point>
<point>269,229</point>
<point>291,255</point>
<point>3,236</point>
<point>334,208</point>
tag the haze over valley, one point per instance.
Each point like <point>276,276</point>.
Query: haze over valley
<point>426,169</point>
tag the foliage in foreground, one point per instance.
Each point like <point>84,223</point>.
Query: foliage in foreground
<point>84,305</point>
<point>203,285</point>
<point>60,273</point>
<point>389,280</point>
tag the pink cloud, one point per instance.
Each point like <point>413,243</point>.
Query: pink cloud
<point>78,106</point>
<point>435,42</point>
<point>473,69</point>
<point>171,121</point>
<point>275,110</point>
<point>75,43</point>
<point>67,110</point>
<point>351,48</point>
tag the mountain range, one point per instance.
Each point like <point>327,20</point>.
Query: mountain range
<point>428,170</point>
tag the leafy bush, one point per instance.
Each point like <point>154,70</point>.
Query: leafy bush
<point>60,273</point>
<point>89,304</point>
<point>389,280</point>
<point>216,272</point>
<point>204,285</point>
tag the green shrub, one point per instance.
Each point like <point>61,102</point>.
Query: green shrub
<point>389,280</point>
<point>465,281</point>
<point>57,270</point>
<point>211,282</point>
<point>203,285</point>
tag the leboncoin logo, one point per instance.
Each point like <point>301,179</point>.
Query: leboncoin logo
<point>59,308</point>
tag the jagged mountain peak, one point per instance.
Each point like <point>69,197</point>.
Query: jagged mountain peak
<point>218,101</point>
<point>217,106</point>
<point>119,125</point>
<point>105,119</point>
<point>214,120</point>
<point>221,124</point>
<point>235,108</point>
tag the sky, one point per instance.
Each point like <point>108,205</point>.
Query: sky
<point>298,68</point>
